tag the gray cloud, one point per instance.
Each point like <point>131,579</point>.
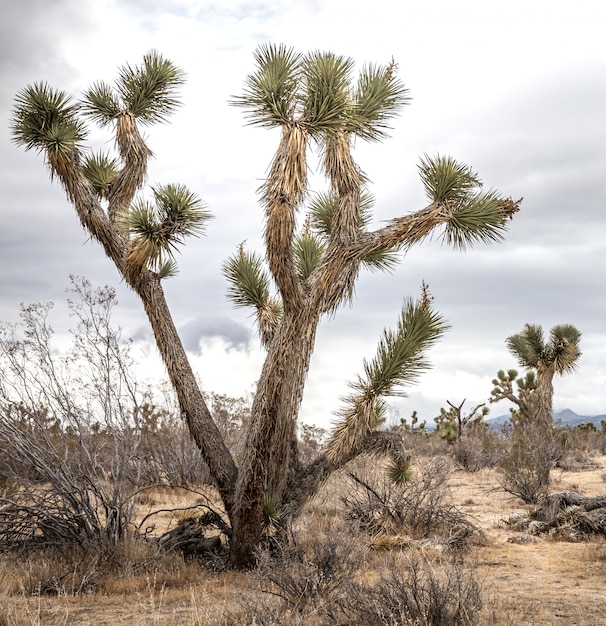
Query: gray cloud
<point>540,136</point>
<point>202,329</point>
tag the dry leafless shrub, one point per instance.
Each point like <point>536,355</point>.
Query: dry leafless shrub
<point>302,586</point>
<point>416,592</point>
<point>333,582</point>
<point>419,508</point>
<point>476,451</point>
<point>68,429</point>
<point>528,457</point>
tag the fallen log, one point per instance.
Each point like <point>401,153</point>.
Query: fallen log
<point>567,514</point>
<point>189,539</point>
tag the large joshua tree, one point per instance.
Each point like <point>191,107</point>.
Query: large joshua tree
<point>314,252</point>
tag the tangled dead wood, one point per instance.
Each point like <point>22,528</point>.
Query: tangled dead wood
<point>565,514</point>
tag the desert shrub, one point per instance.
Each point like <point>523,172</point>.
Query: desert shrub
<point>419,507</point>
<point>79,435</point>
<point>528,456</point>
<point>476,451</point>
<point>302,585</point>
<point>334,582</point>
<point>579,444</point>
<point>417,592</point>
<point>67,430</point>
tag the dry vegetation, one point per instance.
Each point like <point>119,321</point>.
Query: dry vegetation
<point>339,556</point>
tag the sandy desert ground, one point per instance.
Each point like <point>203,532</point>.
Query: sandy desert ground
<point>545,583</point>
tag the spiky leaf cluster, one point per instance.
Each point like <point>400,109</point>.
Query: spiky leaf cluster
<point>399,470</point>
<point>101,171</point>
<point>270,94</point>
<point>148,92</point>
<point>378,99</point>
<point>475,215</point>
<point>249,282</point>
<point>308,250</point>
<point>399,361</point>
<point>250,286</point>
<point>316,92</point>
<point>46,119</point>
<point>159,227</point>
<point>400,357</point>
<point>326,95</point>
<point>560,352</point>
<point>272,513</point>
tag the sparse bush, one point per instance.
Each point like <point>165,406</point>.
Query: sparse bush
<point>527,461</point>
<point>479,449</point>
<point>68,429</point>
<point>334,582</point>
<point>419,507</point>
<point>419,593</point>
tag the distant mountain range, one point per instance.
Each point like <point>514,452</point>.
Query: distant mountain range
<point>567,417</point>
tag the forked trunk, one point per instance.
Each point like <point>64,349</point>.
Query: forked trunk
<point>265,466</point>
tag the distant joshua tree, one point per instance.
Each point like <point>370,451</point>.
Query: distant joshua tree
<point>558,355</point>
<point>534,449</point>
<point>309,267</point>
<point>452,423</point>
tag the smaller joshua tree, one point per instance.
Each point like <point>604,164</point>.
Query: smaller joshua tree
<point>452,423</point>
<point>526,469</point>
<point>414,426</point>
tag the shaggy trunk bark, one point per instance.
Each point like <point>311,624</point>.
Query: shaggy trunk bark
<point>543,421</point>
<point>265,466</point>
<point>197,416</point>
<point>544,396</point>
<point>148,288</point>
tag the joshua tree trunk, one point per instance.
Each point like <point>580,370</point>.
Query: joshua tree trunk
<point>543,395</point>
<point>193,407</point>
<point>267,455</point>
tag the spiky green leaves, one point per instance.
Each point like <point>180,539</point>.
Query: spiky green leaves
<point>248,279</point>
<point>477,218</point>
<point>249,286</point>
<point>272,514</point>
<point>159,227</point>
<point>446,180</point>
<point>475,215</point>
<point>561,352</point>
<point>46,120</point>
<point>316,92</point>
<point>148,92</point>
<point>325,92</point>
<point>379,97</point>
<point>564,340</point>
<point>308,250</point>
<point>400,359</point>
<point>270,94</point>
<point>101,171</point>
<point>101,103</point>
<point>399,469</point>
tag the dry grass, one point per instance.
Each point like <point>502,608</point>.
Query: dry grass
<point>546,583</point>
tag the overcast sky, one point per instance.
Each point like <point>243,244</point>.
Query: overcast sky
<point>517,90</point>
